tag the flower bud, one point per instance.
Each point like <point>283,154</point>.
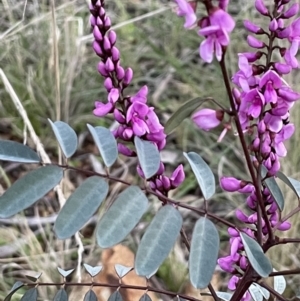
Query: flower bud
<point>115,53</point>
<point>109,65</point>
<point>252,27</point>
<point>128,76</point>
<point>119,116</point>
<point>273,26</point>
<point>124,150</point>
<point>120,72</point>
<point>253,42</point>
<point>112,36</point>
<point>108,84</point>
<point>230,184</point>
<point>97,48</point>
<point>106,45</point>
<point>291,12</point>
<point>97,34</point>
<point>177,177</point>
<point>260,7</point>
<point>207,119</point>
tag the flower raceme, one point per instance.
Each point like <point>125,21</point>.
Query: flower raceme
<point>134,115</point>
<point>262,101</point>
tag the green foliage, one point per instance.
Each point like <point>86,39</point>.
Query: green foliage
<point>14,289</point>
<point>256,256</point>
<point>292,183</point>
<point>145,297</point>
<point>65,136</point>
<point>121,217</point>
<point>106,143</point>
<point>30,295</point>
<point>116,296</point>
<point>148,156</point>
<point>17,152</point>
<point>158,240</point>
<point>203,173</point>
<point>204,253</point>
<point>274,189</point>
<point>80,207</point>
<point>61,295</point>
<point>90,296</point>
<point>28,189</point>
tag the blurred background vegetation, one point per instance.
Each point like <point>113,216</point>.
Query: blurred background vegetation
<point>46,54</point>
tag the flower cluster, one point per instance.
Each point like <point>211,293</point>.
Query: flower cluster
<point>261,102</point>
<point>134,116</point>
<point>215,27</point>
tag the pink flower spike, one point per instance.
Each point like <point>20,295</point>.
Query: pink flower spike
<point>208,119</point>
<point>230,184</point>
<point>178,176</point>
<point>186,10</point>
<point>259,5</point>
<point>253,42</point>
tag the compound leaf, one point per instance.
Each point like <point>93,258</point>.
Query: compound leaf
<point>106,144</point>
<point>61,295</point>
<point>65,136</point>
<point>148,156</point>
<point>30,295</point>
<point>17,285</point>
<point>204,253</point>
<point>274,189</point>
<point>90,296</point>
<point>203,173</point>
<point>158,240</point>
<point>80,207</point>
<point>183,112</point>
<point>116,296</point>
<point>121,217</point>
<point>29,189</point>
<point>292,183</point>
<point>93,271</point>
<point>259,261</point>
<point>17,152</point>
<point>145,297</point>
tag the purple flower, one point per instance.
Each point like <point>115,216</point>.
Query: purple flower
<point>186,10</point>
<point>221,24</point>
<point>136,114</point>
<point>207,119</point>
<point>230,184</point>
